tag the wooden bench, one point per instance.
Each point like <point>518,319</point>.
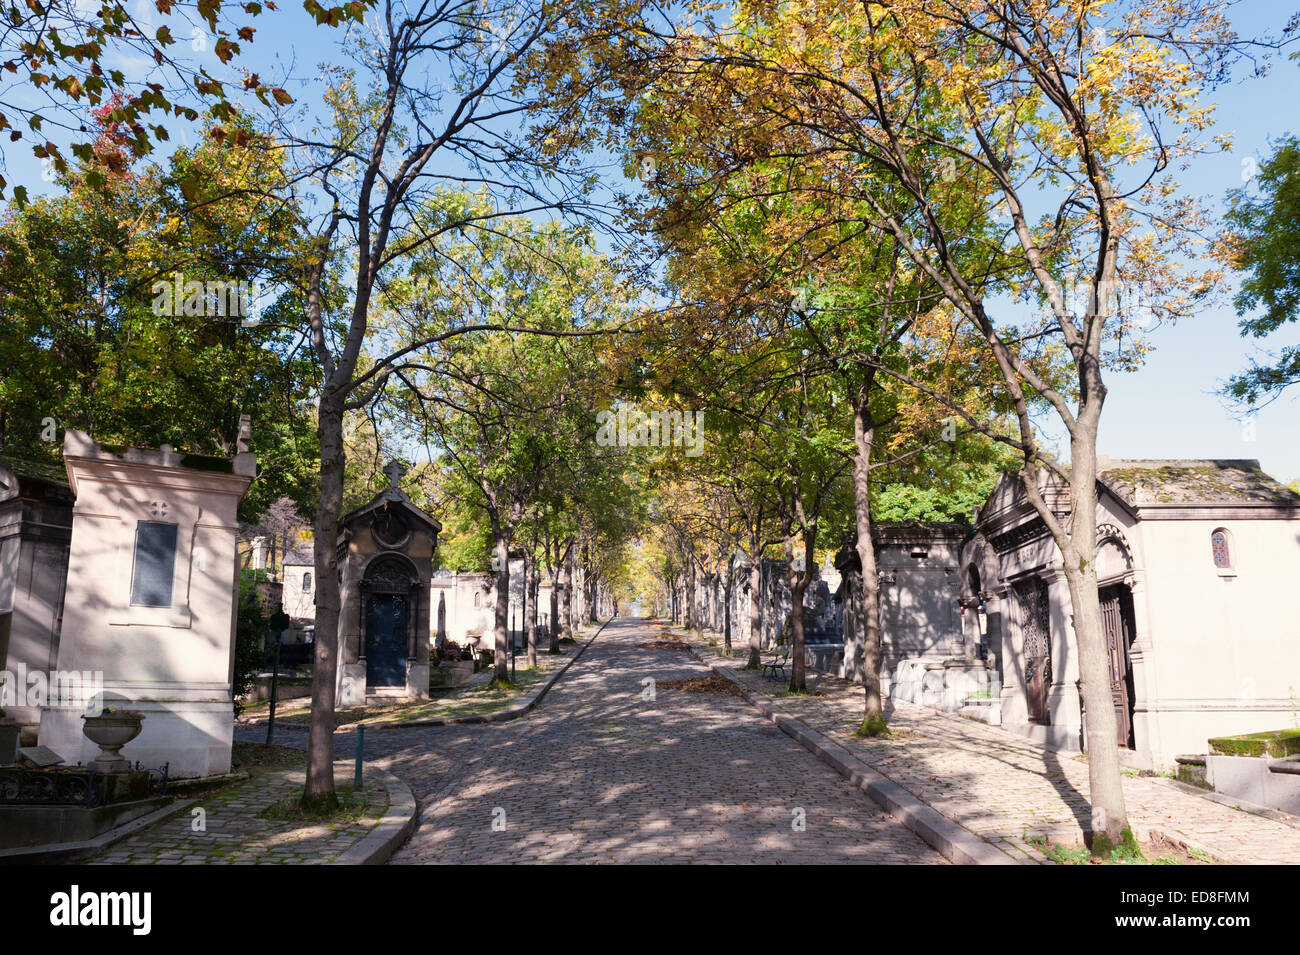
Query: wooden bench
<point>775,662</point>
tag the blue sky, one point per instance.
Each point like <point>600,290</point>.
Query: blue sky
<point>1169,408</point>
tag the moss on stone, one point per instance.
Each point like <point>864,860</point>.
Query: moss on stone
<point>1275,743</point>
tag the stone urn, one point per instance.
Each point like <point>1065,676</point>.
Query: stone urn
<point>110,730</point>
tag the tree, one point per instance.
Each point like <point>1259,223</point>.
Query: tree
<point>764,245</point>
<point>1262,239</point>
<point>443,93</point>
<point>91,342</point>
<point>1071,117</point>
<point>70,57</point>
<point>510,414</point>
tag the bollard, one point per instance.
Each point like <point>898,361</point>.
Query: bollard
<point>361,742</point>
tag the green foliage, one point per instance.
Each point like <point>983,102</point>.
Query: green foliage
<point>947,485</point>
<point>873,727</point>
<point>1265,244</point>
<point>97,340</point>
<point>250,637</point>
<point>511,416</point>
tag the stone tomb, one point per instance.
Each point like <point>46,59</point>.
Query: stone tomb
<point>385,561</point>
<point>1196,561</point>
<point>35,532</point>
<point>927,656</point>
<point>150,600</point>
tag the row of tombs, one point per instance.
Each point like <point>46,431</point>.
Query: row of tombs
<point>125,567</point>
<point>119,587</point>
<point>1197,564</point>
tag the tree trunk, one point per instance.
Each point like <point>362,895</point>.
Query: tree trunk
<point>1109,814</point>
<point>320,744</point>
<point>566,615</point>
<point>531,577</point>
<point>500,622</point>
<point>555,609</point>
<point>798,664</point>
<point>726,611</point>
<point>697,589</point>
<point>755,607</point>
<point>864,433</point>
<point>688,602</point>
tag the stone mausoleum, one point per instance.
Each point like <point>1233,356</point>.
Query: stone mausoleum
<point>35,533</point>
<point>1196,561</point>
<point>148,602</point>
<point>385,552</point>
<point>927,654</point>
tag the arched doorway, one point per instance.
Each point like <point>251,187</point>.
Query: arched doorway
<point>1117,625</point>
<point>388,588</point>
<point>1114,571</point>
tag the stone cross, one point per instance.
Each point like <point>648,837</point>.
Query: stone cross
<point>395,470</point>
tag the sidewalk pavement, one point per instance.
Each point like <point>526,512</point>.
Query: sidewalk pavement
<point>230,829</point>
<point>1008,789</point>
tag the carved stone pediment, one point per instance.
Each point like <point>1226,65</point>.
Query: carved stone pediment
<point>390,575</point>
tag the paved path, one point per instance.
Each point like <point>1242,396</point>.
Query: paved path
<point>230,830</point>
<point>1009,790</point>
<point>600,774</point>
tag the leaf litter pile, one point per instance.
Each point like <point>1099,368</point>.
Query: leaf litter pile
<point>703,684</point>
<point>665,640</point>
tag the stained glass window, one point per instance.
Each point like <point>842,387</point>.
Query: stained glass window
<point>1219,547</point>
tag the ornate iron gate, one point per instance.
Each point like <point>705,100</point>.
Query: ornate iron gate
<point>1035,631</point>
<point>386,626</point>
<point>1116,617</point>
<point>389,591</point>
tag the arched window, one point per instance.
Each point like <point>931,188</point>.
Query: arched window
<point>1221,549</point>
<point>306,583</point>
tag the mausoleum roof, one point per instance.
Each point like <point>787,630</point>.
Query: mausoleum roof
<point>47,472</point>
<point>391,496</point>
<point>1200,481</point>
<point>303,555</point>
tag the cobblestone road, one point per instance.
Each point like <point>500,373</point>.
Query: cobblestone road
<point>599,774</point>
<point>1009,790</point>
<point>232,832</point>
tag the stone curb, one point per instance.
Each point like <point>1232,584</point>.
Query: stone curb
<point>399,821</point>
<point>511,712</point>
<point>69,852</point>
<point>953,841</point>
